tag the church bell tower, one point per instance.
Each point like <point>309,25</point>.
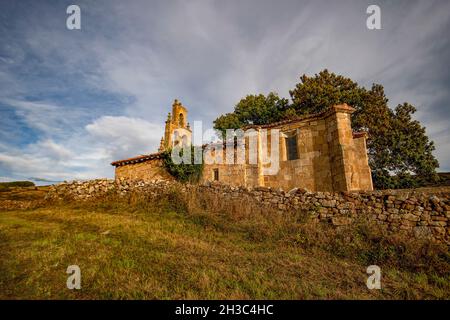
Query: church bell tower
<point>177,130</point>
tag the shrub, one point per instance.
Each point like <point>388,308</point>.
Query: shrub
<point>183,172</point>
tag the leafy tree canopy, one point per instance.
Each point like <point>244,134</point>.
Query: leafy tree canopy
<point>254,109</point>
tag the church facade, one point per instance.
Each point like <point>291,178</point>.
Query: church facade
<point>318,152</point>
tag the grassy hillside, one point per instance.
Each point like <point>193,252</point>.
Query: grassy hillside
<point>17,184</point>
<point>22,193</point>
<point>149,250</point>
<point>8,186</point>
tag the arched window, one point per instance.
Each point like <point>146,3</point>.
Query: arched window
<point>181,120</point>
<point>184,140</point>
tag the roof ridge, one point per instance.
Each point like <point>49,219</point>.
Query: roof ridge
<point>136,159</point>
<point>338,107</point>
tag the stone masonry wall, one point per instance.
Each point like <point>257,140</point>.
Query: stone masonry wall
<point>148,171</point>
<point>419,213</point>
<point>329,156</point>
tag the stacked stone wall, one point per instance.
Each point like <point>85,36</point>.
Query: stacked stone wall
<point>420,213</point>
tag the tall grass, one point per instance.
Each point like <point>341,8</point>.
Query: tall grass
<point>363,241</point>
<point>191,246</point>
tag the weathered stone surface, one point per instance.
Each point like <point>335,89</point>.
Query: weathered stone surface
<point>411,217</point>
<point>330,157</point>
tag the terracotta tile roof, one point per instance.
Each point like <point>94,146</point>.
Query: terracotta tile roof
<point>137,159</point>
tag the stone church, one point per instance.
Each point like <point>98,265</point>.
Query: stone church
<point>318,152</point>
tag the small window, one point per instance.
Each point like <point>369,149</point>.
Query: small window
<point>291,145</point>
<point>181,120</point>
<point>216,174</point>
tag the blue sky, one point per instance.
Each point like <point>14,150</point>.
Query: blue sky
<point>72,101</point>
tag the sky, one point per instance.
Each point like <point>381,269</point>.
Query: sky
<point>72,101</point>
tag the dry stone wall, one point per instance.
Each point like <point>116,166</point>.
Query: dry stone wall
<point>420,213</point>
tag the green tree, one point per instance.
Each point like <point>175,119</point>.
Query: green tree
<point>315,94</point>
<point>254,109</point>
<point>400,153</point>
<point>408,159</point>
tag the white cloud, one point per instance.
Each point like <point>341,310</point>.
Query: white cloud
<point>6,179</point>
<point>124,137</point>
<point>26,165</point>
<point>49,119</point>
<point>51,149</point>
<point>85,155</point>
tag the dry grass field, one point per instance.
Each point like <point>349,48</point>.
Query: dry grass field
<point>22,193</point>
<point>141,250</point>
